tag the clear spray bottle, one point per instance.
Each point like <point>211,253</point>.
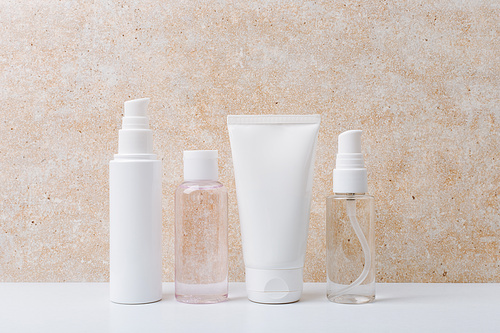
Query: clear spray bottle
<point>350,239</point>
<point>201,248</point>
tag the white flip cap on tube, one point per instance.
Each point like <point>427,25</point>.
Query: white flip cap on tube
<point>200,165</point>
<point>349,175</point>
<point>274,286</point>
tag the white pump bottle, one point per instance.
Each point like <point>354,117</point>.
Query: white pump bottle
<point>135,211</point>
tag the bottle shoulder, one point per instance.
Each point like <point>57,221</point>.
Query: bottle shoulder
<point>134,159</point>
<point>202,185</point>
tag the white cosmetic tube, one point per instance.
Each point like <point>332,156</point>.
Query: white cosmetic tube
<point>273,158</point>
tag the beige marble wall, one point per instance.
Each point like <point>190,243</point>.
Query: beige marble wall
<point>421,78</point>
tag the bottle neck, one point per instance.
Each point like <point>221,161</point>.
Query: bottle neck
<point>350,181</point>
<point>190,180</point>
<point>350,194</point>
<point>135,157</point>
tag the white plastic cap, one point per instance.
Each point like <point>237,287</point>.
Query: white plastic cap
<point>349,175</point>
<point>135,137</point>
<point>273,286</point>
<point>200,165</point>
<point>135,114</point>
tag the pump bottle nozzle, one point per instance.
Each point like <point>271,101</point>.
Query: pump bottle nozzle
<point>349,175</point>
<point>135,137</point>
<point>350,142</point>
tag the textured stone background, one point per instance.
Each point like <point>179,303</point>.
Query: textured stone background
<point>421,78</point>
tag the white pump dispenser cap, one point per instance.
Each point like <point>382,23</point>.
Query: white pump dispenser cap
<point>349,175</point>
<point>200,165</point>
<point>135,137</point>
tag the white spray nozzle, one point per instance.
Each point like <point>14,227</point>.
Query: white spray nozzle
<point>349,175</point>
<point>135,137</point>
<point>350,142</point>
<point>136,107</point>
<point>135,114</point>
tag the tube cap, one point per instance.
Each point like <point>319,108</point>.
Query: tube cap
<point>200,165</point>
<point>274,286</point>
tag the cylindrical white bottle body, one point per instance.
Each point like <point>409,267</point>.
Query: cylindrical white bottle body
<point>135,231</point>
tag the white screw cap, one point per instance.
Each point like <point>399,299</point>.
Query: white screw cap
<point>200,165</point>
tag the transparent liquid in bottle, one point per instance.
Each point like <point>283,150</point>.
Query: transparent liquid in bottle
<point>201,247</point>
<point>345,256</point>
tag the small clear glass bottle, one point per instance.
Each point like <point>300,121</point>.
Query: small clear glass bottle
<point>347,279</point>
<point>350,236</point>
<point>201,247</point>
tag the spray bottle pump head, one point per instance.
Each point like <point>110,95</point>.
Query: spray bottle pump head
<point>135,137</point>
<point>135,114</point>
<point>349,175</point>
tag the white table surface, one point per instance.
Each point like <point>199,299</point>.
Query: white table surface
<point>84,307</point>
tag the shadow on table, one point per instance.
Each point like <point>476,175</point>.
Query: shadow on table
<point>401,298</point>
